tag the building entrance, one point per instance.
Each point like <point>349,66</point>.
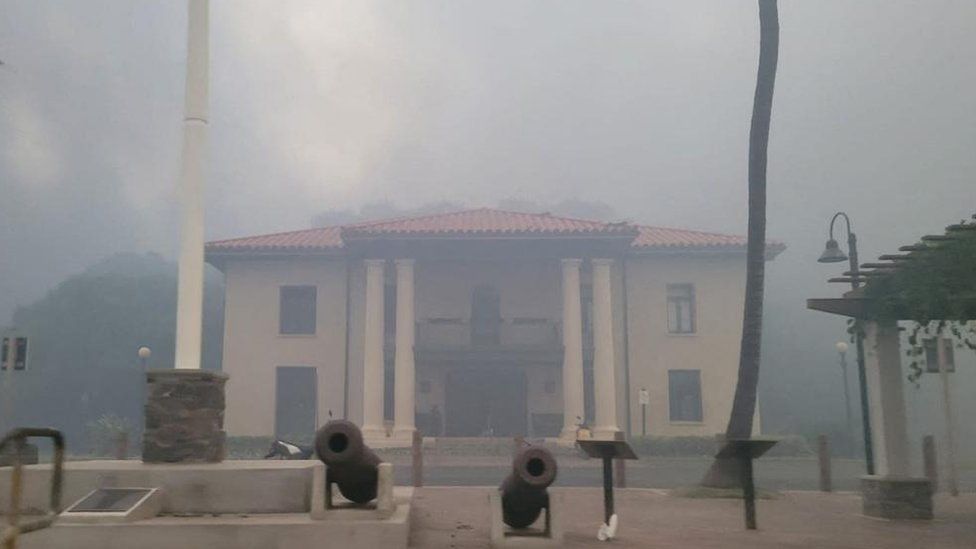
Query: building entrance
<point>296,403</point>
<point>490,401</point>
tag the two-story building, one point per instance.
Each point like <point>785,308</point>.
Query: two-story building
<point>482,323</point>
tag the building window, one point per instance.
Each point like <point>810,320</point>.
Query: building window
<point>684,395</point>
<point>681,308</point>
<point>550,386</point>
<point>297,310</point>
<point>931,346</point>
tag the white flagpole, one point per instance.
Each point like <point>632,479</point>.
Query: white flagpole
<point>189,304</point>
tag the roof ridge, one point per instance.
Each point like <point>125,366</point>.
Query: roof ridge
<point>455,213</point>
<point>280,233</point>
<point>397,219</point>
<point>563,217</point>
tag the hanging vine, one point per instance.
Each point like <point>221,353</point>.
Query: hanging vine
<point>935,289</point>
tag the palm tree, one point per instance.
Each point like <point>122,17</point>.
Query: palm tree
<point>724,473</point>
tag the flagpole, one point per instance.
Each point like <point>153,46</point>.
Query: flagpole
<point>189,303</point>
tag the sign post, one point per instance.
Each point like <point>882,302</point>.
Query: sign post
<point>608,450</point>
<point>645,399</point>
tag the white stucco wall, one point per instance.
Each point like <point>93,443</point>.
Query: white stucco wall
<point>253,348</point>
<point>713,349</point>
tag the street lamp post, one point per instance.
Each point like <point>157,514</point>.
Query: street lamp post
<point>833,254</point>
<point>841,347</point>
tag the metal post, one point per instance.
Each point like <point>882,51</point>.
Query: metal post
<point>859,345</point>
<point>607,489</point>
<point>847,402</point>
<point>418,459</point>
<point>643,420</point>
<point>189,299</point>
<point>143,395</point>
<point>8,385</point>
<point>748,491</point>
<point>823,460</point>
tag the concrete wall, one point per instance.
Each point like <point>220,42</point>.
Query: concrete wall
<point>713,349</point>
<point>253,348</point>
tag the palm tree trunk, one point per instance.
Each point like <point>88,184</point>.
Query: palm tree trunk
<point>724,473</point>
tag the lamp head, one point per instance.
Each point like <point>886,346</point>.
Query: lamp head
<point>832,253</point>
<point>144,352</point>
<point>841,347</point>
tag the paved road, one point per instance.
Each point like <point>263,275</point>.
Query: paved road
<point>771,473</point>
<point>457,518</point>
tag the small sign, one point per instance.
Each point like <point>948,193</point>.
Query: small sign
<point>645,397</point>
<point>14,352</point>
<point>939,352</point>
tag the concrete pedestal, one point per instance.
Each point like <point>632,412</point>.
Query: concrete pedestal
<point>184,417</point>
<point>231,505</point>
<point>543,535</point>
<point>896,497</point>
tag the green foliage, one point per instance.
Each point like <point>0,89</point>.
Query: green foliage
<point>936,289</point>
<point>84,335</point>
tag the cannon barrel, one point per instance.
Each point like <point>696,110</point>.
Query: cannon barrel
<point>524,489</point>
<point>352,466</point>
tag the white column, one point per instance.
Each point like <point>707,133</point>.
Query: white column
<point>886,397</point>
<point>604,380</point>
<point>404,360</point>
<point>572,349</point>
<point>189,295</point>
<point>373,353</point>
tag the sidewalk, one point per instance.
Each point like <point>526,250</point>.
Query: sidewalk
<point>458,518</point>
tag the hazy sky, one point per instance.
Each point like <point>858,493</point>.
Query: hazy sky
<point>327,105</point>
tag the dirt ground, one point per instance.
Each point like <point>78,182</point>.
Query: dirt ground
<point>457,517</point>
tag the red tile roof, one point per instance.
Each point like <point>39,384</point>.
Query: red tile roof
<point>487,222</point>
<point>479,222</point>
<point>324,238</point>
<point>660,237</point>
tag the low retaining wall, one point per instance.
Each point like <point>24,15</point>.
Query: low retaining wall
<point>233,487</point>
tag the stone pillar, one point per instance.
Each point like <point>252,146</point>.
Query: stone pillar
<point>890,493</point>
<point>882,362</point>
<point>184,416</point>
<point>604,379</point>
<point>373,352</point>
<point>572,349</point>
<point>405,377</point>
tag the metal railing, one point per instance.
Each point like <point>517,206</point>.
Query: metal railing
<point>519,332</point>
<point>18,437</point>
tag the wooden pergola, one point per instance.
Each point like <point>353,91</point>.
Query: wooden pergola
<point>929,283</point>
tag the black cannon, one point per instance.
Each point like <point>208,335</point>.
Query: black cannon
<point>350,464</point>
<point>524,490</point>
